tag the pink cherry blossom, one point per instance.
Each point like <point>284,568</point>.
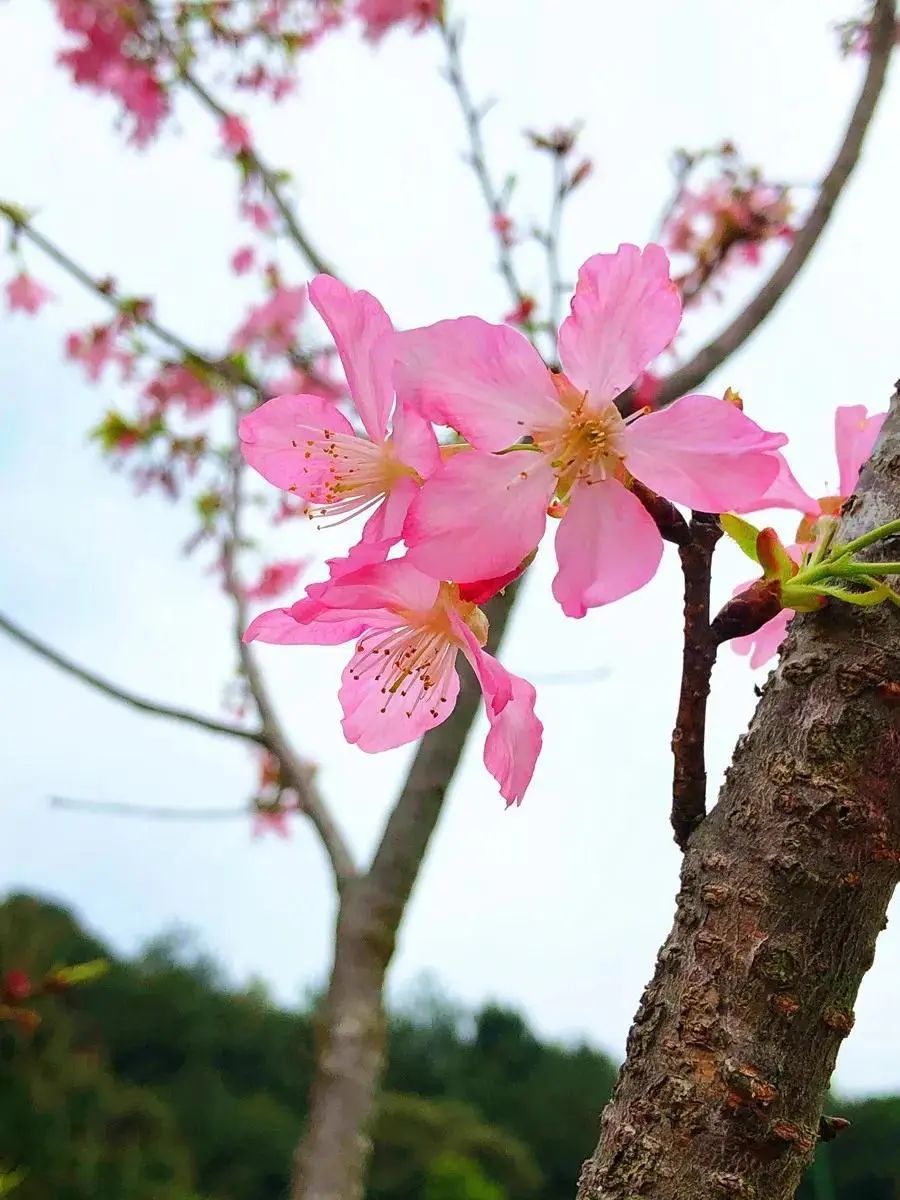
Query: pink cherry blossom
<point>260,215</point>
<point>175,384</point>
<point>26,294</point>
<point>401,680</point>
<point>275,579</point>
<point>765,642</point>
<point>379,16</point>
<point>304,443</point>
<point>537,435</point>
<point>97,348</point>
<point>504,227</point>
<point>242,260</point>
<point>235,134</point>
<point>272,325</point>
<point>274,818</point>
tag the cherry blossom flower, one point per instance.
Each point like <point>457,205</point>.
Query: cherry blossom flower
<point>537,436</point>
<point>522,313</point>
<point>235,134</point>
<point>173,384</point>
<point>97,348</point>
<point>504,227</point>
<point>260,215</point>
<point>25,294</point>
<point>275,579</point>
<point>401,680</point>
<point>304,443</point>
<point>379,16</point>
<point>274,817</point>
<point>855,434</point>
<point>272,325</point>
<point>242,260</point>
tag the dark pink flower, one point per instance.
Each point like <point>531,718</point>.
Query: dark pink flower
<point>379,16</point>
<point>275,579</point>
<point>235,134</point>
<point>242,260</point>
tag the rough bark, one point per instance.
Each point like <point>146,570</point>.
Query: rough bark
<point>784,890</point>
<point>332,1156</point>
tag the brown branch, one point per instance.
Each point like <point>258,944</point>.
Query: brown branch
<point>711,356</point>
<point>478,157</point>
<point>296,773</point>
<point>227,371</point>
<point>698,659</point>
<point>18,634</point>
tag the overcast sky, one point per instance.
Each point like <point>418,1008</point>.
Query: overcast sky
<point>558,907</point>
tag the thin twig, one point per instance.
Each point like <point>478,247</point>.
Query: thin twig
<point>268,176</point>
<point>699,656</point>
<point>478,160</point>
<point>551,242</point>
<point>100,684</point>
<point>228,372</point>
<point>711,356</point>
<point>295,772</point>
<point>119,808</point>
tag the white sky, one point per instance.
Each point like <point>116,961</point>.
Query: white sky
<point>558,907</point>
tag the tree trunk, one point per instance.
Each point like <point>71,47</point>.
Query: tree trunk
<point>331,1159</point>
<point>784,890</point>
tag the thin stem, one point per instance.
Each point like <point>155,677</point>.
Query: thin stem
<point>551,244</point>
<point>157,812</point>
<point>876,568</point>
<point>711,356</point>
<point>100,684</point>
<point>869,539</point>
<point>228,372</point>
<point>698,659</point>
<point>478,159</point>
<point>297,773</point>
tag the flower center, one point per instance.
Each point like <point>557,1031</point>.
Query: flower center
<point>360,475</point>
<point>584,445</point>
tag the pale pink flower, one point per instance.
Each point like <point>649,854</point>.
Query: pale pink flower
<point>175,384</point>
<point>401,680</point>
<point>97,348</point>
<point>242,260</point>
<point>235,134</point>
<point>562,436</point>
<point>275,579</point>
<point>379,16</point>
<point>765,642</point>
<point>260,215</point>
<point>504,227</point>
<point>26,294</point>
<point>272,325</point>
<point>304,444</point>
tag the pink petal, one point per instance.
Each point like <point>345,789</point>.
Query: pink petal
<point>607,546</point>
<point>387,521</point>
<point>764,643</point>
<point>395,586</point>
<point>299,626</point>
<point>414,441</point>
<point>703,452</point>
<point>785,492</point>
<point>514,742</point>
<point>855,434</point>
<point>367,726</point>
<point>479,515</point>
<point>625,311</point>
<point>275,437</point>
<point>363,334</point>
<point>485,381</point>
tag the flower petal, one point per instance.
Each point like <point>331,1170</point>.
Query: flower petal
<point>364,337</point>
<point>855,434</point>
<point>607,546</point>
<point>703,452</point>
<point>375,721</point>
<point>299,626</point>
<point>414,441</point>
<point>387,521</point>
<point>764,643</point>
<point>625,311</point>
<point>395,586</point>
<point>479,515</point>
<point>277,437</point>
<point>485,381</point>
<point>785,492</point>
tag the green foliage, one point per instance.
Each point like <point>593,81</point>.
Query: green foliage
<point>155,1081</point>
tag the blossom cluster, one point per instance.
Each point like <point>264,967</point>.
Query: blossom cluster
<point>526,444</point>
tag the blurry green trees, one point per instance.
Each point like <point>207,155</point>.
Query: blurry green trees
<point>159,1082</point>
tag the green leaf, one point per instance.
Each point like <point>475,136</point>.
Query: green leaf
<point>742,532</point>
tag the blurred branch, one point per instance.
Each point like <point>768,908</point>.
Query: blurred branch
<point>271,180</point>
<point>551,242</point>
<point>706,360</point>
<point>567,678</point>
<point>477,159</point>
<point>296,773</point>
<point>159,812</point>
<point>117,693</point>
<point>228,372</point>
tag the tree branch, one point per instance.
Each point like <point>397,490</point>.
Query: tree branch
<point>156,811</point>
<point>228,372</point>
<point>478,159</point>
<point>699,656</point>
<point>297,774</point>
<point>689,376</point>
<point>122,694</point>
